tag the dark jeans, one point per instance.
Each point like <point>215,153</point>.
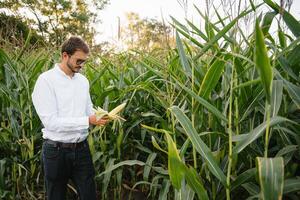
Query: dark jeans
<point>61,164</point>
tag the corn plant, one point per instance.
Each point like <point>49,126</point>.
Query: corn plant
<point>20,126</point>
<point>237,105</point>
<point>215,118</point>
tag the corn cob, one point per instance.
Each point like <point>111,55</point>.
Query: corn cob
<point>112,115</point>
<point>99,112</point>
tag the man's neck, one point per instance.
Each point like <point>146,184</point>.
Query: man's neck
<point>66,69</point>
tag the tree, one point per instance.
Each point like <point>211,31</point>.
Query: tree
<point>15,31</point>
<point>56,19</point>
<point>145,34</point>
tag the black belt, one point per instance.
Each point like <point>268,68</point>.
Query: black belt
<point>66,145</point>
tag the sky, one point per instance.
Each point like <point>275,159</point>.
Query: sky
<point>157,9</point>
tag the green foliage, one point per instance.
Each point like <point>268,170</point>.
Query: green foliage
<point>262,61</point>
<point>15,31</point>
<point>203,109</point>
<point>55,20</point>
<point>145,34</point>
<point>271,176</point>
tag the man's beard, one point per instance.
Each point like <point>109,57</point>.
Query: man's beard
<point>71,67</point>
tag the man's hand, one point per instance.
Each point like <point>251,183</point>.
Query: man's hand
<point>93,120</point>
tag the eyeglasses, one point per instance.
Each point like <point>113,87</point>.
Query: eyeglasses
<point>78,61</point>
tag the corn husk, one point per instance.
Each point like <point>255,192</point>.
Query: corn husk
<point>112,115</point>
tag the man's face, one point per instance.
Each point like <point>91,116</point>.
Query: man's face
<point>76,61</point>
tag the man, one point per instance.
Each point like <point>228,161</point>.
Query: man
<point>62,101</point>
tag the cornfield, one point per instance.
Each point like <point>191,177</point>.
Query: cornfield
<point>217,117</point>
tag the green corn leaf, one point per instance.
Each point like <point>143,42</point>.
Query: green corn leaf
<point>148,165</point>
<point>28,38</point>
<point>267,21</point>
<point>156,129</point>
<point>107,175</point>
<point>37,69</point>
<point>293,90</point>
<point>287,153</point>
<point>203,102</point>
<point>123,163</point>
<point>163,194</point>
<point>213,25</point>
<point>294,57</point>
<point>184,31</point>
<point>184,147</point>
<point>271,177</point>
<point>289,19</point>
<point>262,61</point>
<point>256,133</point>
<point>156,145</point>
<point>248,83</point>
<point>252,5</point>
<point>195,183</point>
<point>285,64</point>
<point>276,97</point>
<point>221,34</point>
<point>212,77</point>
<point>291,185</point>
<point>222,21</point>
<point>183,58</point>
<point>281,37</point>
<point>199,145</point>
<point>290,47</point>
<point>242,178</point>
<point>208,28</point>
<point>252,188</point>
<point>7,94</point>
<point>175,166</point>
<point>197,30</point>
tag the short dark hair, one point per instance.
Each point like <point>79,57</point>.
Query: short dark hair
<point>73,44</point>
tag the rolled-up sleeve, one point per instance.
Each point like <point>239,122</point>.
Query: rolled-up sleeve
<point>44,101</point>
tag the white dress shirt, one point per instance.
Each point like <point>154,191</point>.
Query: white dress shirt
<point>63,105</point>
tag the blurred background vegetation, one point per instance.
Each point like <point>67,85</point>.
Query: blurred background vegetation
<point>213,111</point>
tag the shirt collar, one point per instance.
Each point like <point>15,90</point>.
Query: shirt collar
<point>60,71</point>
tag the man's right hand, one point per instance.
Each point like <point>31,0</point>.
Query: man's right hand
<point>101,122</point>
